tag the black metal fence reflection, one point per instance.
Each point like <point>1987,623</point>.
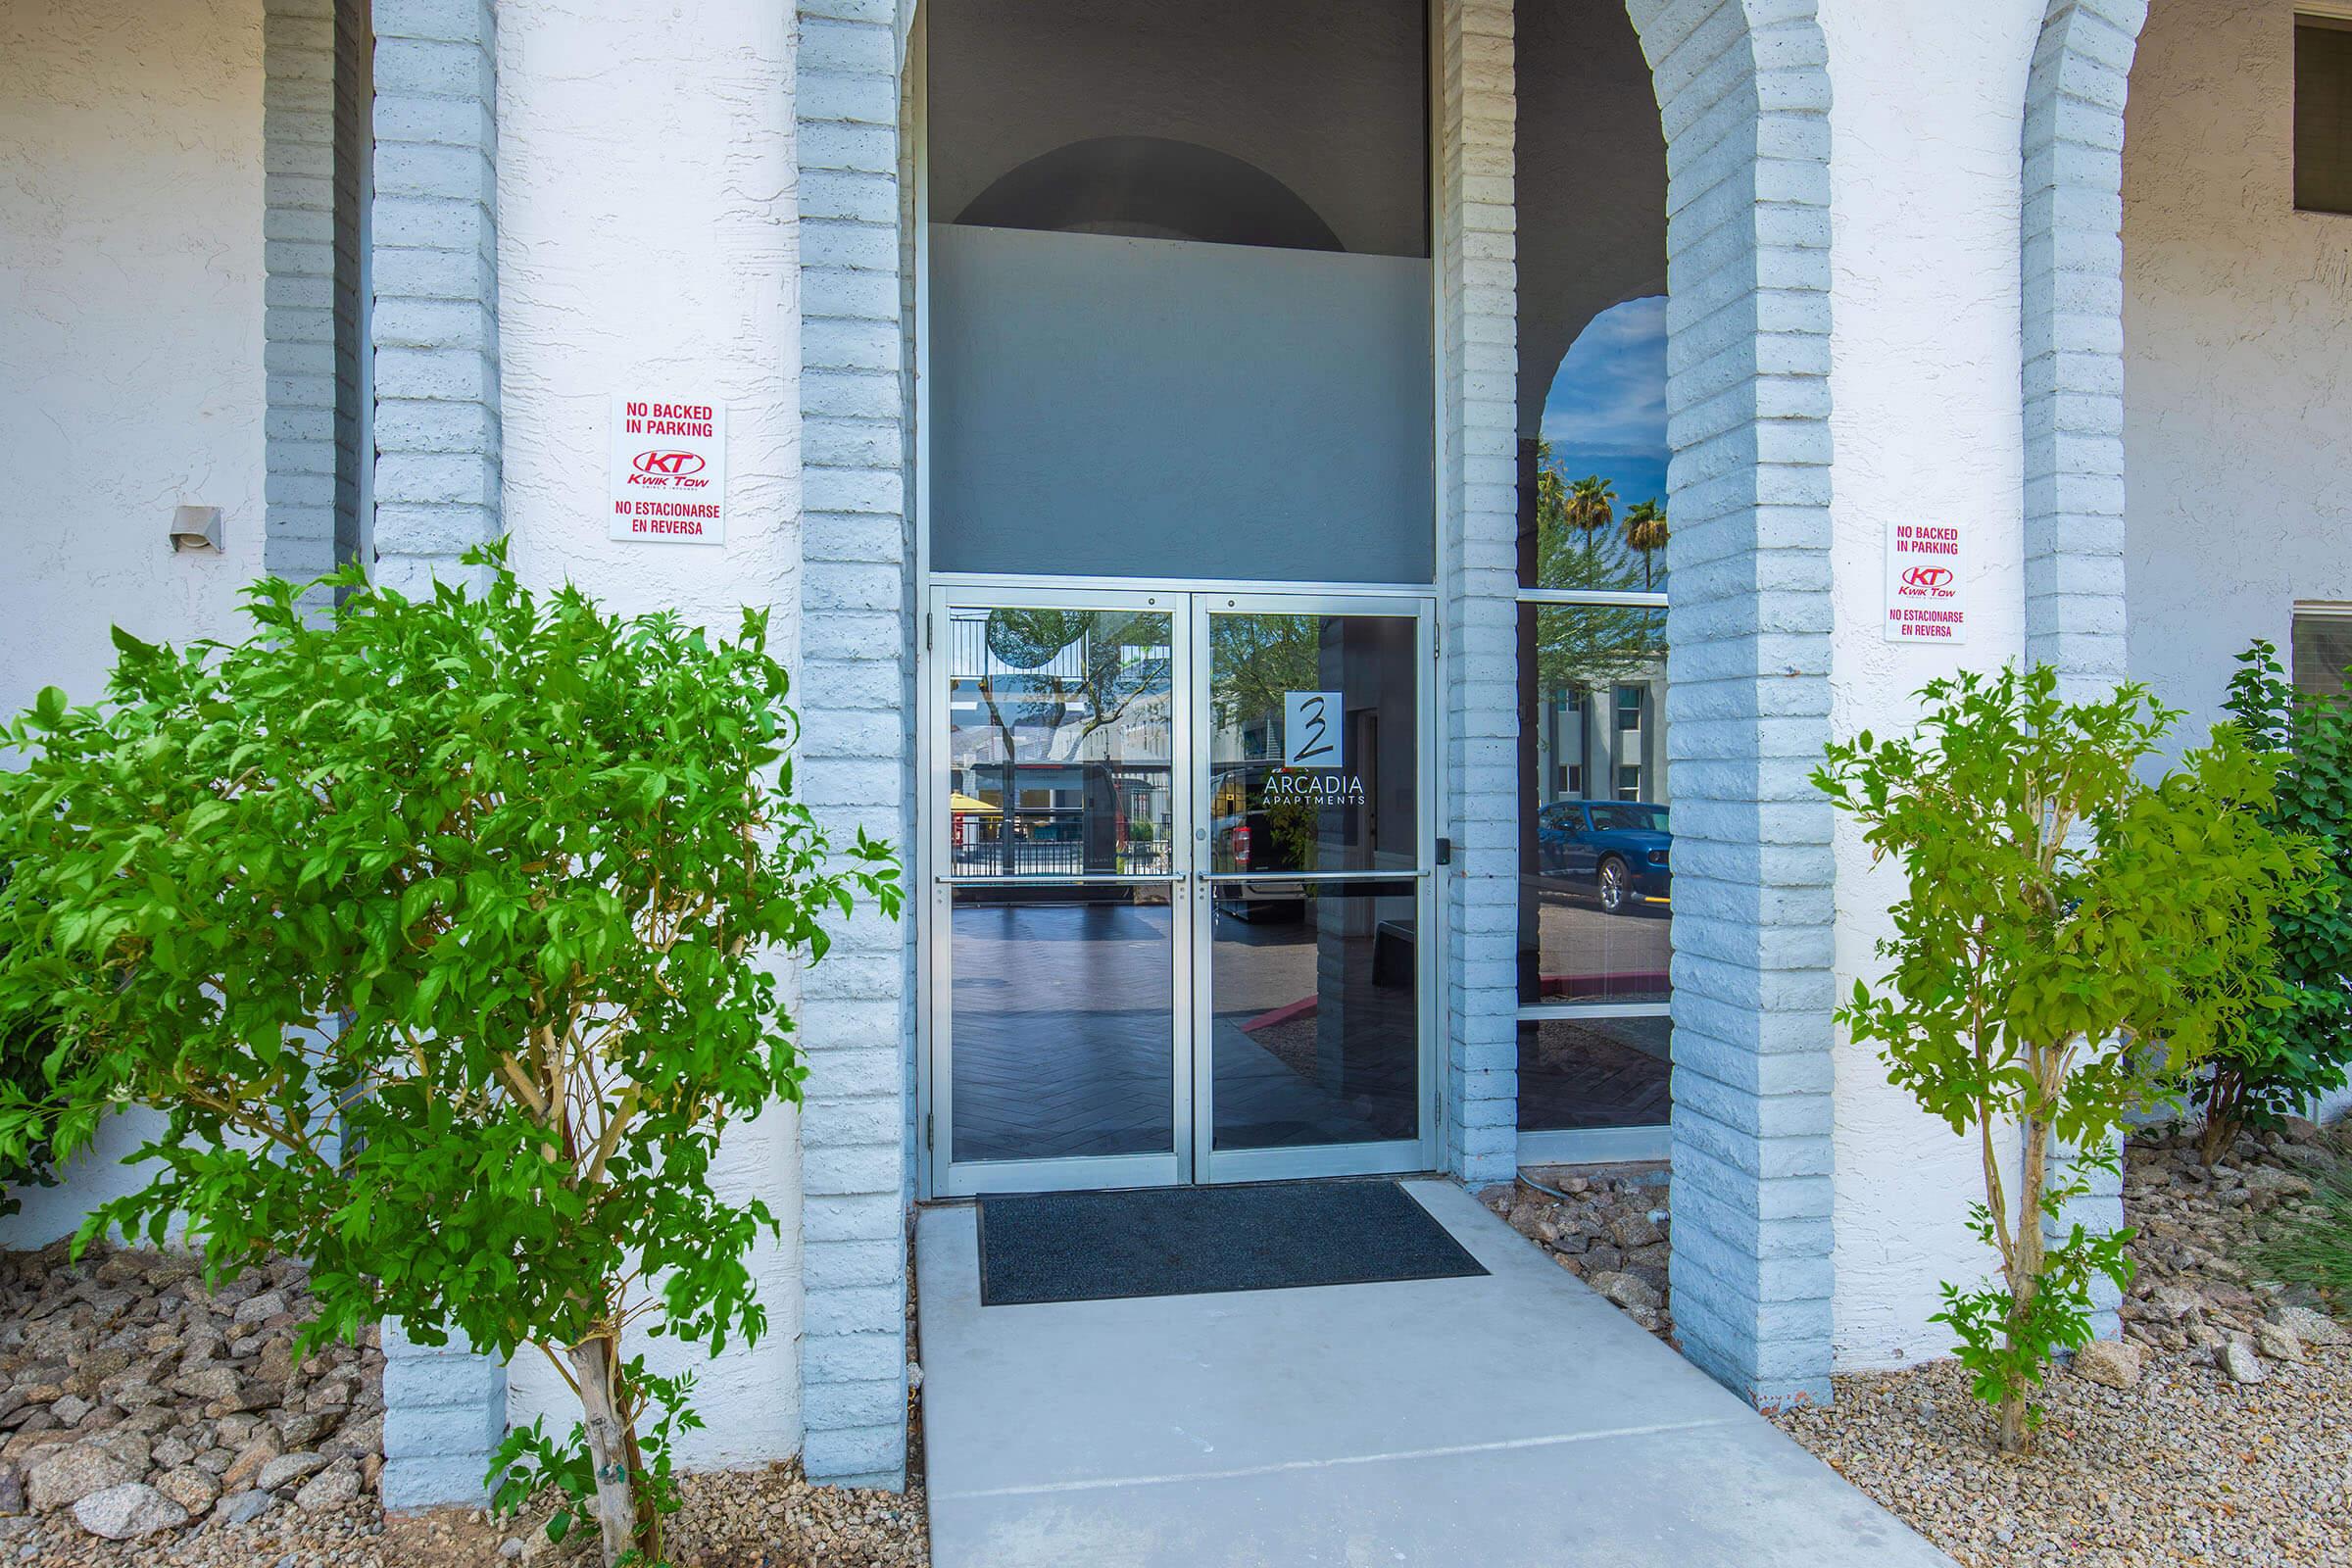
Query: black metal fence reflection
<point>1049,841</point>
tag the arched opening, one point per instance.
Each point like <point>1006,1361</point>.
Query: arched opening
<point>1595,833</point>
<point>1151,187</point>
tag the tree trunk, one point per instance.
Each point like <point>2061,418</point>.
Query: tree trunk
<point>2024,1274</point>
<point>612,1445</point>
<point>2224,1112</point>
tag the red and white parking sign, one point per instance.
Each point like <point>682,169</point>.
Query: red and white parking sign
<point>669,470</point>
<point>1926,582</point>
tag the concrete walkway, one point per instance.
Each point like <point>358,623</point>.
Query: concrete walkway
<point>1512,1420</point>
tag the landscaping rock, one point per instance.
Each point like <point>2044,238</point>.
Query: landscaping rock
<point>1632,1230</point>
<point>2239,1360</point>
<point>287,1469</point>
<point>331,1488</point>
<point>1609,1230</point>
<point>121,1371</point>
<point>1625,1291</point>
<point>2110,1363</point>
<point>127,1446</point>
<point>129,1511</point>
<point>65,1475</point>
<point>2280,1345</point>
<point>250,1461</point>
<point>2310,1327</point>
<point>2183,1467</point>
<point>260,1308</point>
<point>191,1488</point>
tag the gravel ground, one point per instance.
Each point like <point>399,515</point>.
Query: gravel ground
<point>2189,1465</point>
<point>124,1368</point>
<point>1605,1224</point>
<point>732,1519</point>
<point>770,1518</point>
<point>2186,1468</point>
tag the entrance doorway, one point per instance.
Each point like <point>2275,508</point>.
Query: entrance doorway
<point>1181,849</point>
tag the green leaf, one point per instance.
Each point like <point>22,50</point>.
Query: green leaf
<point>381,909</point>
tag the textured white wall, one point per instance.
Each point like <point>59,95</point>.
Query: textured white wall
<point>130,362</point>
<point>1924,413</point>
<point>645,241</point>
<point>130,289</point>
<point>2238,344</point>
<point>2237,357</point>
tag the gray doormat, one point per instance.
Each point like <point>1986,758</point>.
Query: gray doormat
<point>1191,1240</point>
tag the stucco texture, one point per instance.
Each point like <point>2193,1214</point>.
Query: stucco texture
<point>1926,415</point>
<point>2237,358</point>
<point>131,286</point>
<point>2238,354</point>
<point>130,362</point>
<point>647,247</point>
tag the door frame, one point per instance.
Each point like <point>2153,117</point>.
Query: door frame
<point>1189,603</point>
<point>1321,1159</point>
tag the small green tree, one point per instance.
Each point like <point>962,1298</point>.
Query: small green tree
<point>445,934</point>
<point>2061,911</point>
<point>2274,1061</point>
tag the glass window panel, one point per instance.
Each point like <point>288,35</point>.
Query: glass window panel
<point>2322,648</point>
<point>1312,764</point>
<point>1060,742</point>
<point>2323,114</point>
<point>1063,1020</point>
<point>1594,843</point>
<point>1586,1072</point>
<point>1315,1015</point>
<point>1594,513</point>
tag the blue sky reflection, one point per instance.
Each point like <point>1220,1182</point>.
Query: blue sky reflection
<point>1606,410</point>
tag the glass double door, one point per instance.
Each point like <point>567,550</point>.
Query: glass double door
<point>1180,857</point>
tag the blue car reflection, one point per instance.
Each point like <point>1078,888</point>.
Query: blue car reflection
<point>1615,850</point>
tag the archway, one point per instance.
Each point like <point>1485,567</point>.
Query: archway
<point>1742,95</point>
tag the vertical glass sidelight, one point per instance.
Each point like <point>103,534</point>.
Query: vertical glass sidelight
<point>1595,832</point>
<point>1595,900</point>
<point>1312,808</point>
<point>1595,932</point>
<point>1595,839</point>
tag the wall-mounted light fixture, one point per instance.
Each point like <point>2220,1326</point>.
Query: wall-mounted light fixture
<point>196,528</point>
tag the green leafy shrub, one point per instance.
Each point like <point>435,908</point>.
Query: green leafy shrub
<point>2061,911</point>
<point>29,1115</point>
<point>445,934</point>
<point>2274,1061</point>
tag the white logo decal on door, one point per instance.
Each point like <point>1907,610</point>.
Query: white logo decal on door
<point>1310,729</point>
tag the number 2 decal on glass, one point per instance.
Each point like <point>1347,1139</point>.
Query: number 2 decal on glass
<point>1309,729</point>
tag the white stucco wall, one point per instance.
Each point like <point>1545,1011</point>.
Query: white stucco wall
<point>2238,344</point>
<point>1925,418</point>
<point>130,362</point>
<point>645,243</point>
<point>2237,357</point>
<point>130,289</point>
